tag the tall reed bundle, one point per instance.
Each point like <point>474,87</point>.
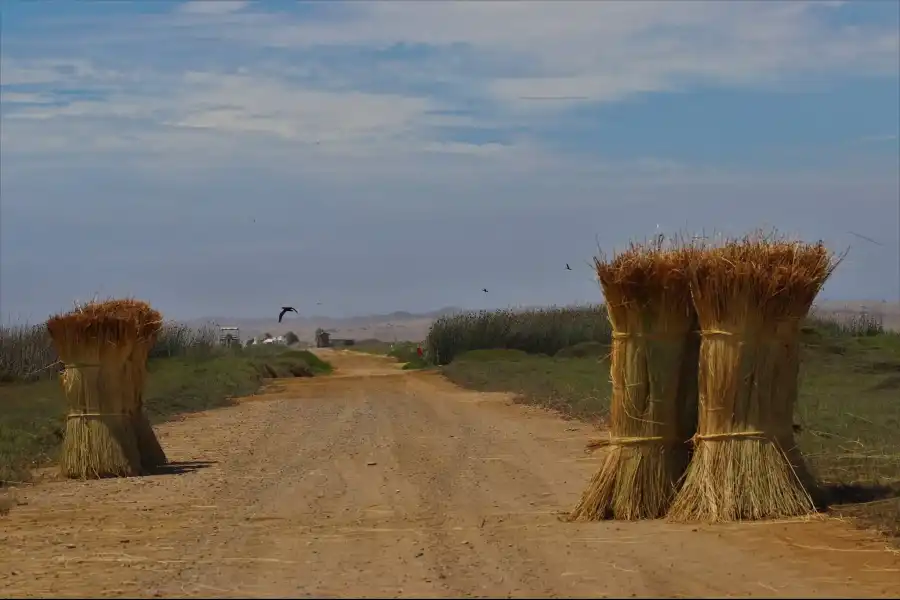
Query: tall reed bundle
<point>149,323</point>
<point>94,345</point>
<point>653,369</point>
<point>750,297</point>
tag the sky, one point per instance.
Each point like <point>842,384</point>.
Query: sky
<point>225,158</point>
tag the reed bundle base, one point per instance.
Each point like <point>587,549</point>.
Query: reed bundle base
<point>637,480</point>
<point>743,476</point>
<point>99,445</point>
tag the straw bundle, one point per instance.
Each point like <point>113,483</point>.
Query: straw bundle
<point>653,367</point>
<point>94,345</point>
<point>149,323</point>
<point>750,297</point>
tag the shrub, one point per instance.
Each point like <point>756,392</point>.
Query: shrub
<point>540,331</point>
<point>573,332</point>
<point>26,353</point>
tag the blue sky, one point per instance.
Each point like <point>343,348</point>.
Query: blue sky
<point>225,157</point>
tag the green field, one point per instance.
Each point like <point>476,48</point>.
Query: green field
<point>404,352</point>
<point>32,414</point>
<point>849,407</point>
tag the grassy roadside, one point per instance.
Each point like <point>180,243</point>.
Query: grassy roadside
<point>404,352</point>
<point>576,387</point>
<point>32,414</point>
<point>849,408</point>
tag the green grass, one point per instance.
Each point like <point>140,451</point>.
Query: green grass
<point>27,354</point>
<point>541,331</point>
<point>32,414</point>
<point>404,352</point>
<point>278,361</point>
<point>577,387</point>
<point>849,406</point>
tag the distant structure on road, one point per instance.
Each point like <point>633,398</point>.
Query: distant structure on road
<point>324,340</point>
<point>230,336</point>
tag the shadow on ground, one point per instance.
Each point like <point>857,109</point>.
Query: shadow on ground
<point>873,506</point>
<point>181,467</point>
<point>839,494</point>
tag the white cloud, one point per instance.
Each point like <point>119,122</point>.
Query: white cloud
<point>54,71</point>
<point>514,62</point>
<point>24,98</point>
<point>882,137</point>
<point>235,104</point>
<point>463,148</point>
<point>603,50</point>
<point>212,7</point>
<point>259,105</point>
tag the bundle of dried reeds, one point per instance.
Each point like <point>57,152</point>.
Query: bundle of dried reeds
<point>653,369</point>
<point>750,296</point>
<point>149,323</point>
<point>94,345</point>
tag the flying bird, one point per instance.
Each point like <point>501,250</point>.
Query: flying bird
<point>285,309</point>
<point>568,268</point>
<point>484,290</point>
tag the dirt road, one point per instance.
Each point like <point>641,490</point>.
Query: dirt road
<point>379,482</point>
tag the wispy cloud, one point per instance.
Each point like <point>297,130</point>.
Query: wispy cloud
<point>211,7</point>
<point>877,138</point>
<point>600,50</point>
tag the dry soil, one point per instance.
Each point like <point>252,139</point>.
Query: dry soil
<point>377,482</point>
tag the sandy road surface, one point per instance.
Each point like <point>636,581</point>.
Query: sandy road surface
<point>379,482</point>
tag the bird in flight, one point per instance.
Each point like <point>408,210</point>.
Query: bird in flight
<point>484,290</point>
<point>285,309</point>
<point>568,268</point>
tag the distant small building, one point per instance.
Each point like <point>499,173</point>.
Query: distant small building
<point>323,339</point>
<point>230,336</point>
